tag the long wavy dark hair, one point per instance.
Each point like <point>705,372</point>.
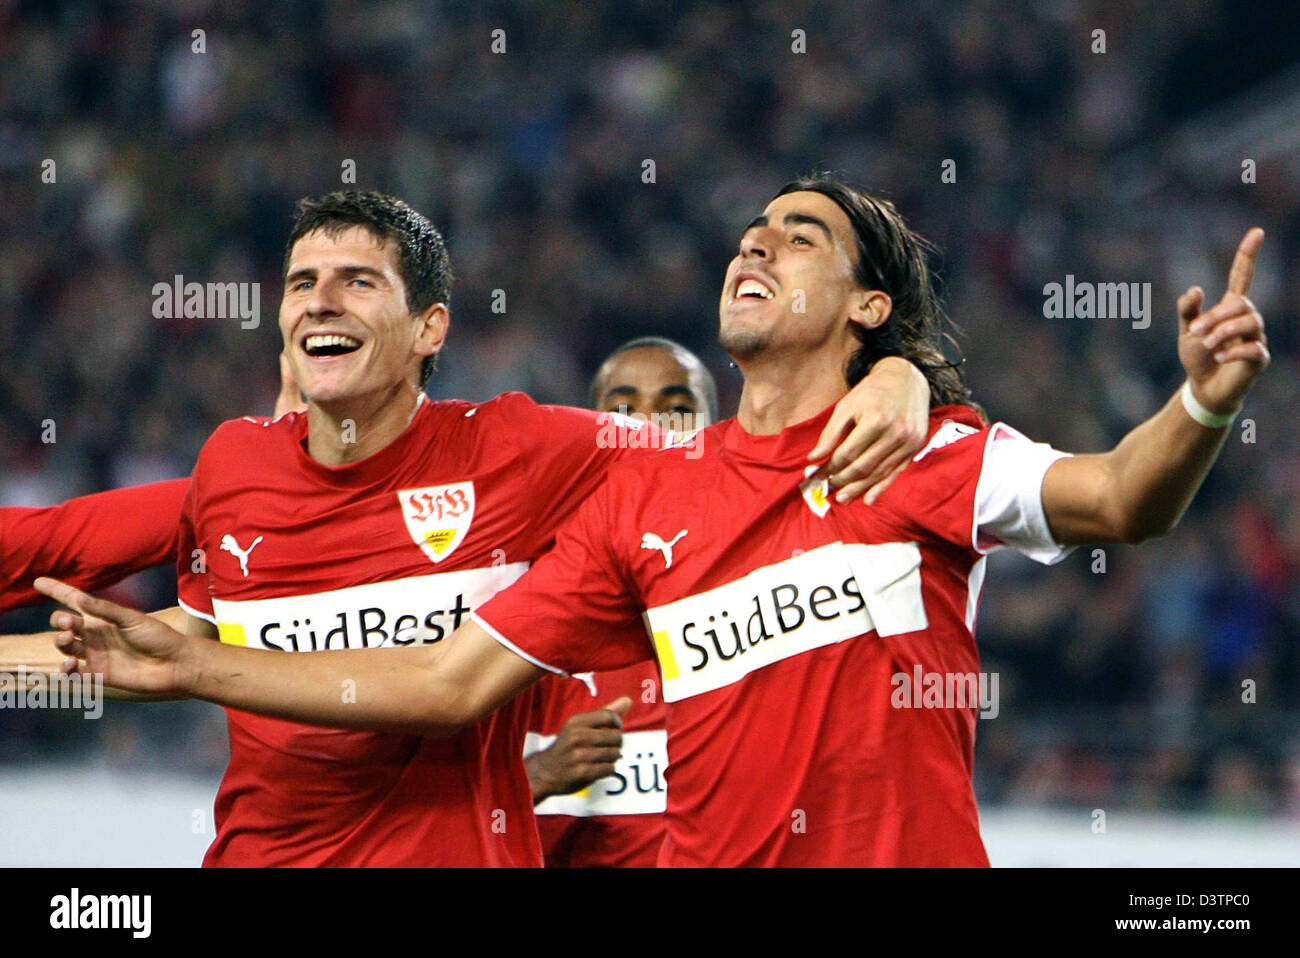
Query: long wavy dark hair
<point>892,258</point>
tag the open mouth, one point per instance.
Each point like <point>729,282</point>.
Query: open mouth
<point>323,345</point>
<point>752,289</point>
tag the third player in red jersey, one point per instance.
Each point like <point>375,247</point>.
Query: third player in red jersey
<point>616,820</point>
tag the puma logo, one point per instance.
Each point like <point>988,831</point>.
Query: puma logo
<point>652,541</point>
<point>229,544</point>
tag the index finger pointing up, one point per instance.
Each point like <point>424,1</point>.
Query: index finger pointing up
<point>1243,264</point>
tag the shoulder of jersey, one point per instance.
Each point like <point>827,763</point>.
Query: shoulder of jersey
<point>505,404</point>
<point>512,412</point>
<point>692,446</point>
<point>684,454</point>
<point>949,425</point>
<point>251,428</point>
<point>529,421</point>
<point>511,418</point>
<point>247,439</point>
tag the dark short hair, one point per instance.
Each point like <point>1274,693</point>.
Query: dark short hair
<point>708,384</point>
<point>892,258</point>
<point>421,253</point>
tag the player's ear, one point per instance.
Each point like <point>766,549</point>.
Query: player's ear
<point>431,329</point>
<point>869,308</point>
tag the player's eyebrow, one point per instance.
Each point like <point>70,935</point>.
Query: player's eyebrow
<point>613,391</point>
<point>804,218</point>
<point>793,218</point>
<point>310,272</point>
<point>679,391</point>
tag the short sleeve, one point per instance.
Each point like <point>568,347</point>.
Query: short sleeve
<point>979,488</point>
<point>91,541</point>
<point>1009,497</point>
<point>191,566</point>
<point>569,451</point>
<point>574,610</point>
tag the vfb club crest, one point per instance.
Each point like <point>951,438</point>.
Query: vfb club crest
<point>438,517</point>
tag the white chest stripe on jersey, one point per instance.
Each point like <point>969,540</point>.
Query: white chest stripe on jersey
<point>830,594</point>
<point>637,787</point>
<point>417,610</point>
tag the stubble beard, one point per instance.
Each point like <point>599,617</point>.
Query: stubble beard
<point>742,343</point>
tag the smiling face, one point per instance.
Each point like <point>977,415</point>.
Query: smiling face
<point>791,285</point>
<point>650,380</point>
<point>344,318</point>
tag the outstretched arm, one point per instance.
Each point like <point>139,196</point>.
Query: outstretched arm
<point>1141,488</point>
<point>35,654</point>
<point>97,540</point>
<point>435,690</point>
<point>93,540</point>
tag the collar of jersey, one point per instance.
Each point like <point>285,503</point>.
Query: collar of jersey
<point>790,445</point>
<point>378,467</point>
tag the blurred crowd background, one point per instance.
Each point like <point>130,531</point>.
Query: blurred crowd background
<point>1121,672</point>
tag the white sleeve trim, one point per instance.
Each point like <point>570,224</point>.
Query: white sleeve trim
<point>207,617</point>
<point>514,648</point>
<point>1009,497</point>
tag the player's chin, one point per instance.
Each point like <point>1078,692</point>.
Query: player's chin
<point>742,338</point>
<point>326,389</point>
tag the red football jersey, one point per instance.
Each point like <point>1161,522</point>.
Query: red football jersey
<point>617,821</point>
<point>788,630</point>
<point>393,550</point>
<point>90,541</point>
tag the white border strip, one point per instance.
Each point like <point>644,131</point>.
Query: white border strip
<point>474,616</point>
<point>195,612</point>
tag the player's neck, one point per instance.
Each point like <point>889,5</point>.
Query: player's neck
<point>779,395</point>
<point>340,433</point>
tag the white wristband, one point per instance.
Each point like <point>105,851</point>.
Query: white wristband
<point>1210,420</point>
